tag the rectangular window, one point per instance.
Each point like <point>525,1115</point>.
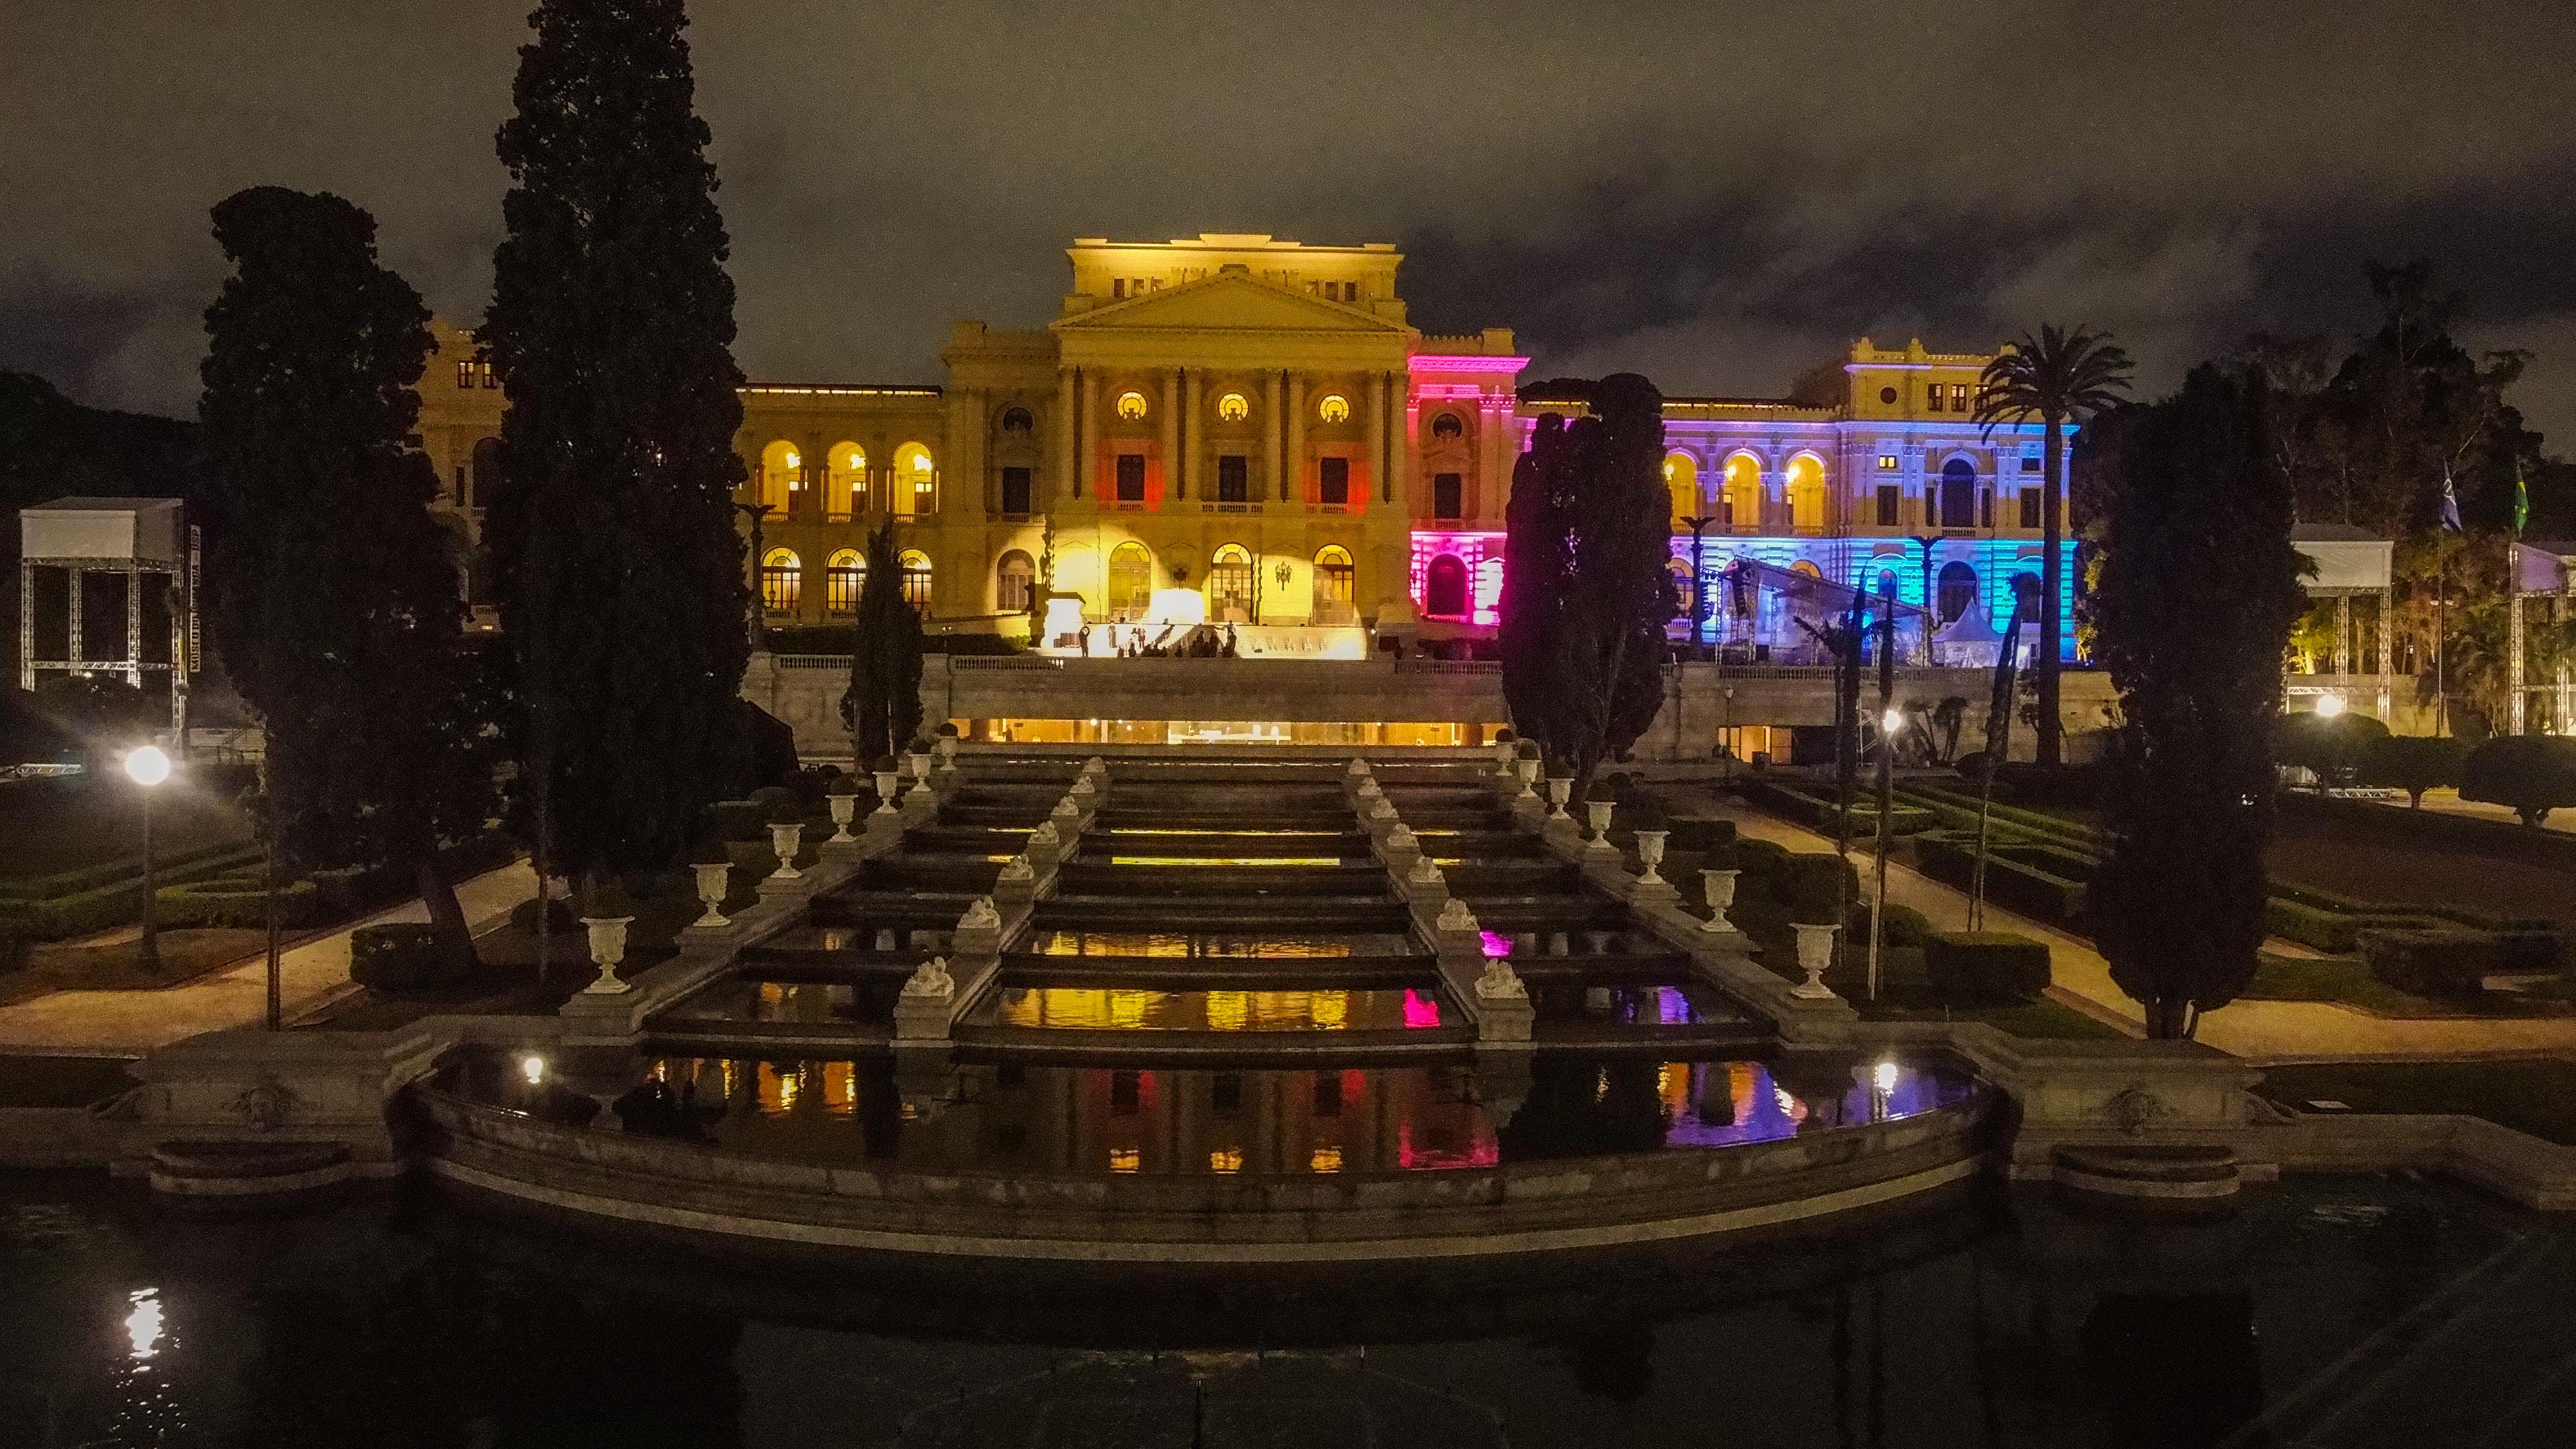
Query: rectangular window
<point>1131,477</point>
<point>1015,490</point>
<point>1233,478</point>
<point>1335,476</point>
<point>841,590</point>
<point>462,500</point>
<point>1117,290</point>
<point>1888,496</point>
<point>1225,1094</point>
<point>1958,397</point>
<point>1986,508</point>
<point>2030,464</point>
<point>1932,397</point>
<point>1125,1094</point>
<point>489,379</point>
<point>1931,507</point>
<point>464,374</point>
<point>2030,507</point>
<point>1448,496</point>
<point>1328,1094</point>
<point>1887,462</point>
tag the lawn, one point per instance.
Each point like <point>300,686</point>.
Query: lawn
<point>2537,1096</point>
<point>2382,865</point>
<point>67,823</point>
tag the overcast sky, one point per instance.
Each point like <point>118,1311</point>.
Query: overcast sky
<point>1712,193</point>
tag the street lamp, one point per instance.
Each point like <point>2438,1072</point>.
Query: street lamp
<point>2329,705</point>
<point>148,767</point>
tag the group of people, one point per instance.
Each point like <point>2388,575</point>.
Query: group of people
<point>1202,641</point>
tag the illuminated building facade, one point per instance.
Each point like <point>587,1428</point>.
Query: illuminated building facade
<point>1248,430</point>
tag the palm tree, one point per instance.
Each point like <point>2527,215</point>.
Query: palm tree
<point>2058,377</point>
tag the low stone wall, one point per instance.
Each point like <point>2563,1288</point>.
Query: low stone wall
<point>1526,1207</point>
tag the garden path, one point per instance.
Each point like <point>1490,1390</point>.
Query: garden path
<point>132,1022</point>
<point>2264,1031</point>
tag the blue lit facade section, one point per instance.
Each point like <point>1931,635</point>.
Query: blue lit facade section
<point>1859,563</point>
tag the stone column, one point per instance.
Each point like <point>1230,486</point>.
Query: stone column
<point>1172,430</point>
<point>1277,479</point>
<point>1376,405</point>
<point>1493,473</point>
<point>1087,459</point>
<point>1192,380</point>
<point>1066,475</point>
<point>1399,460</point>
<point>1292,482</point>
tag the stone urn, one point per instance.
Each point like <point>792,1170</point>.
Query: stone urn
<point>888,782</point>
<point>1529,777</point>
<point>946,748</point>
<point>714,878</point>
<point>1456,917</point>
<point>1560,788</point>
<point>1499,980</point>
<point>1503,759</point>
<point>931,978</point>
<point>786,840</point>
<point>1719,887</point>
<point>845,808</point>
<point>1815,953</point>
<point>607,948</point>
<point>1599,811</point>
<point>1359,768</point>
<point>1650,851</point>
<point>920,764</point>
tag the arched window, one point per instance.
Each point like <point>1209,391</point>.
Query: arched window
<point>1958,494</point>
<point>1685,599</point>
<point>782,581</point>
<point>1805,487</point>
<point>486,476</point>
<point>1131,406</point>
<point>843,575</point>
<point>1335,408</point>
<point>1015,583</point>
<point>916,579</point>
<point>915,487</point>
<point>2027,592</point>
<point>1444,587</point>
<point>1743,493</point>
<point>1681,480</point>
<point>1887,583</point>
<point>1334,576</point>
<point>1234,407</point>
<point>845,489</point>
<point>1806,568</point>
<point>781,474</point>
<point>1017,420</point>
<point>1229,585</point>
<point>1958,590</point>
<point>1131,581</point>
<point>1447,425</point>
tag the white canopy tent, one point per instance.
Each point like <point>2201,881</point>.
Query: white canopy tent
<point>2350,563</point>
<point>2546,570</point>
<point>130,536</point>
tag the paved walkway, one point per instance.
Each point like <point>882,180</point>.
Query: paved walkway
<point>2448,802</point>
<point>2266,1031</point>
<point>132,1022</point>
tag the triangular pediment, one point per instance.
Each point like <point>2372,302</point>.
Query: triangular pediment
<point>1228,303</point>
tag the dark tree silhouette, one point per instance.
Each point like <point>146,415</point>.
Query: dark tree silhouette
<point>2199,589</point>
<point>1586,586</point>
<point>329,591</point>
<point>615,561</point>
<point>2057,377</point>
<point>882,706</point>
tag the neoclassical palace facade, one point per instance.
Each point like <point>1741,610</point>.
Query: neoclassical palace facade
<point>1248,429</point>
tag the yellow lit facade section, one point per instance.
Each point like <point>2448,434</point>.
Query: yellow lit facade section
<point>1681,480</point>
<point>1807,495</point>
<point>1743,486</point>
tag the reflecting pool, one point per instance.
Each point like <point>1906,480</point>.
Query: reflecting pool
<point>1136,1009</point>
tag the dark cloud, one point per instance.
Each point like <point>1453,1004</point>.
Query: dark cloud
<point>1712,193</point>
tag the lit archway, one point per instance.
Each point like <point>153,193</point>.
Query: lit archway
<point>782,581</point>
<point>1444,587</point>
<point>781,472</point>
<point>1131,581</point>
<point>1958,590</point>
<point>1804,485</point>
<point>1229,583</point>
<point>1336,582</point>
<point>1743,489</point>
<point>845,486</point>
<point>916,579</point>
<point>916,482</point>
<point>1958,494</point>
<point>1681,480</point>
<point>1015,583</point>
<point>843,575</point>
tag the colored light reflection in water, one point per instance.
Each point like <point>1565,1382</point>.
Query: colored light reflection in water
<point>1259,860</point>
<point>1191,944</point>
<point>1062,1120</point>
<point>1130,1009</point>
<point>1630,1004</point>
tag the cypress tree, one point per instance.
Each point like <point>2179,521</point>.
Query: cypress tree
<point>1586,590</point>
<point>882,706</point>
<point>615,561</point>
<point>330,591</point>
<point>2199,589</point>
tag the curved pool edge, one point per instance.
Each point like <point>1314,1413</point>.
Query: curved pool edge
<point>1550,1207</point>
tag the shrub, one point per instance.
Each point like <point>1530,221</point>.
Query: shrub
<point>402,957</point>
<point>2436,963</point>
<point>1814,887</point>
<point>2412,763</point>
<point>773,799</point>
<point>736,819</point>
<point>1900,927</point>
<point>947,729</point>
<point>2020,876</point>
<point>1985,966</point>
<point>236,902</point>
<point>2333,746</point>
<point>1707,836</point>
<point>2528,774</point>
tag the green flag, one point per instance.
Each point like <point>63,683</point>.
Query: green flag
<point>2521,499</point>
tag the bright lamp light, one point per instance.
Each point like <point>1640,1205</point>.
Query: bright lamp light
<point>147,766</point>
<point>2329,705</point>
<point>1892,721</point>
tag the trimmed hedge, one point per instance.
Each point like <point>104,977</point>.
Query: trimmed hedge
<point>95,908</point>
<point>402,957</point>
<point>1986,966</point>
<point>1818,813</point>
<point>235,901</point>
<point>2034,880</point>
<point>1703,836</point>
<point>2447,963</point>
